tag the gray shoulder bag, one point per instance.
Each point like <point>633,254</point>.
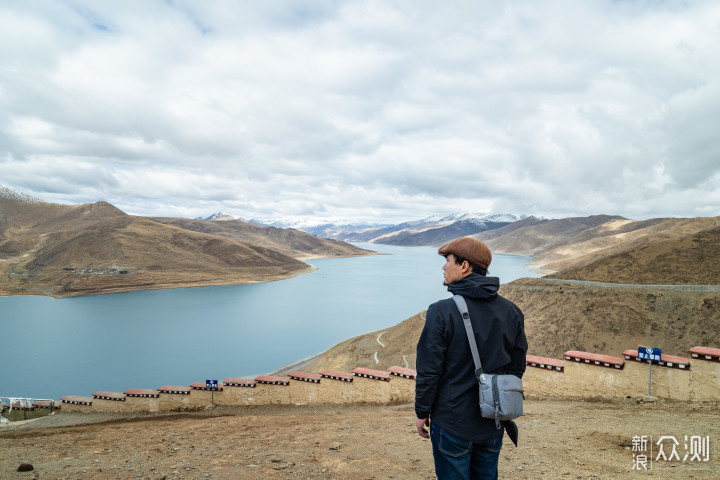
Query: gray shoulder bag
<point>501,396</point>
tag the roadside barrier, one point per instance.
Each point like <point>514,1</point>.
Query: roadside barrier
<point>578,375</point>
<point>695,379</point>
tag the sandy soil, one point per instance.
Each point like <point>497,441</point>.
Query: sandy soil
<point>558,440</point>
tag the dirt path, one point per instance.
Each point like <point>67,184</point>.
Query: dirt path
<point>558,440</point>
<point>375,355</point>
<point>677,288</point>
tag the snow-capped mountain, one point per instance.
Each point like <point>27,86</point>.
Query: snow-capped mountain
<point>477,218</point>
<point>219,217</point>
<point>327,228</point>
<point>435,230</point>
<point>8,193</point>
<point>480,218</point>
<point>432,230</point>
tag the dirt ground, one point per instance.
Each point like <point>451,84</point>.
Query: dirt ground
<point>559,439</point>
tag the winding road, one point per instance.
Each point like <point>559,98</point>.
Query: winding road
<point>375,356</point>
<point>404,357</point>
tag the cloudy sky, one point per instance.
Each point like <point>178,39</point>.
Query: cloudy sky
<point>364,110</point>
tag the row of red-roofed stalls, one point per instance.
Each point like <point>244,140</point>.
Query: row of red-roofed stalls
<point>577,375</point>
<point>362,385</point>
<point>28,404</point>
<point>591,375</point>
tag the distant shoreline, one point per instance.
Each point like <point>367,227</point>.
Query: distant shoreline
<point>39,291</point>
<point>296,366</point>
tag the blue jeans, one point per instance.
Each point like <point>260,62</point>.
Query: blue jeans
<point>463,460</point>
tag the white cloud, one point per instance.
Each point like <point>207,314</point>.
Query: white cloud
<point>364,109</point>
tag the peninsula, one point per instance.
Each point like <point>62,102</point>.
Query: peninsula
<point>71,250</point>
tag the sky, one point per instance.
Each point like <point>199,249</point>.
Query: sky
<point>364,111</point>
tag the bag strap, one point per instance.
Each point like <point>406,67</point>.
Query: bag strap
<point>462,307</point>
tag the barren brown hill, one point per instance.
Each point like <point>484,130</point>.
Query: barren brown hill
<point>129,253</point>
<point>576,242</point>
<point>505,231</point>
<point>688,260</point>
<point>294,243</point>
<point>532,236</point>
<point>618,237</point>
<point>18,218</point>
<point>65,250</point>
<point>562,316</point>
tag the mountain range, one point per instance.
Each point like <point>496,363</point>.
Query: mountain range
<point>66,250</point>
<point>430,231</point>
<point>43,246</point>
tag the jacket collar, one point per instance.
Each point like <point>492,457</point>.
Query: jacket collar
<point>476,286</point>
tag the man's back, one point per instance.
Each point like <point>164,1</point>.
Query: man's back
<point>446,384</point>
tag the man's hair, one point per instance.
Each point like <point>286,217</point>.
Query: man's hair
<point>475,268</point>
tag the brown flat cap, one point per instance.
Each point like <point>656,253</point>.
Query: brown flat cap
<point>471,249</point>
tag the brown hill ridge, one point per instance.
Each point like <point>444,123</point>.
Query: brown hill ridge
<point>688,260</point>
<point>68,250</point>
<point>293,243</point>
<point>573,243</point>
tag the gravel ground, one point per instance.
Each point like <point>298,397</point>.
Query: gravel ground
<point>558,440</point>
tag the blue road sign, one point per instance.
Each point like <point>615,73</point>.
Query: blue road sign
<point>211,383</point>
<point>650,354</point>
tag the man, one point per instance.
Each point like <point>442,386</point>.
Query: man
<point>465,445</point>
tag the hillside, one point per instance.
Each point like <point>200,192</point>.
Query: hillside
<point>68,250</point>
<point>439,235</point>
<point>294,243</point>
<point>662,262</point>
<point>399,349</point>
<point>572,243</point>
<point>533,236</point>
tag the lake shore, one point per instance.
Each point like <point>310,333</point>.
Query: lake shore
<point>168,282</point>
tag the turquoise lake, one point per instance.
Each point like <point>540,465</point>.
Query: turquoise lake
<point>50,348</point>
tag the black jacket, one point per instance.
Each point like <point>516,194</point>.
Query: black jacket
<point>446,389</point>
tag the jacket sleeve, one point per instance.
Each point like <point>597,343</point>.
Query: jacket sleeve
<point>518,361</point>
<point>431,350</point>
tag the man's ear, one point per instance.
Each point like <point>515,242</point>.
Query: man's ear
<point>465,266</point>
